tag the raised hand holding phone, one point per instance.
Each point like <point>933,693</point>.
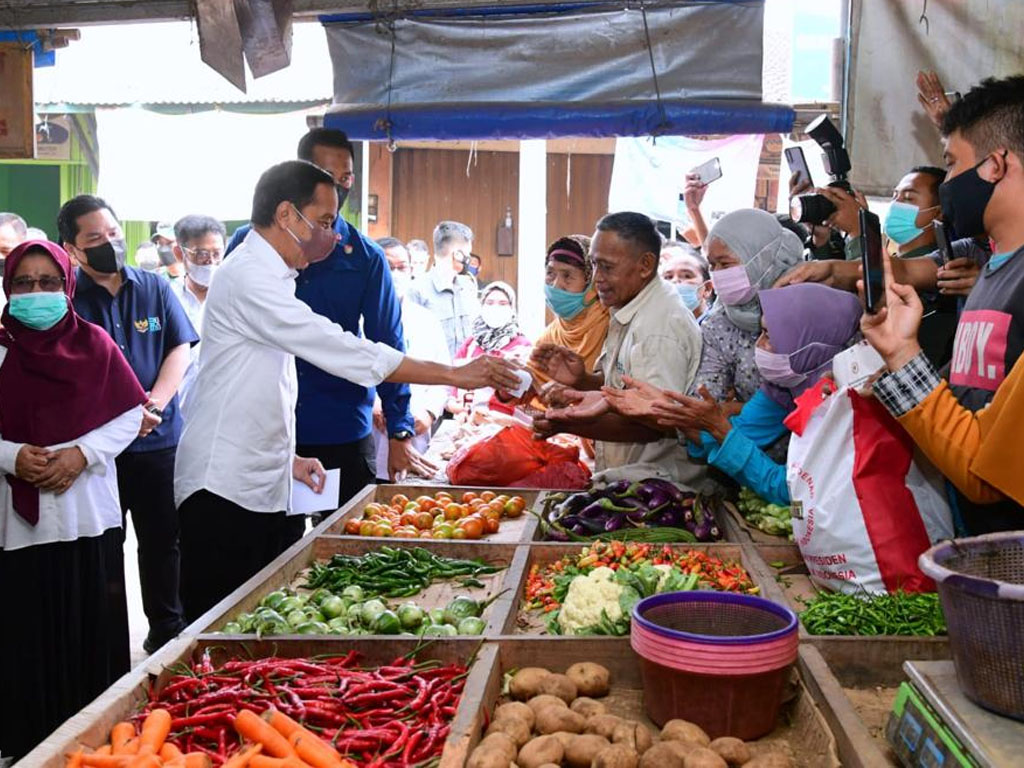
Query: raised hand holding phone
<point>871,260</point>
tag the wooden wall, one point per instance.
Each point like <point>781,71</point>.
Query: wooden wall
<point>576,211</point>
<point>430,185</point>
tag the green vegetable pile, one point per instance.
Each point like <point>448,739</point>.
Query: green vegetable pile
<point>394,572</point>
<point>772,519</point>
<point>351,613</point>
<point>896,613</point>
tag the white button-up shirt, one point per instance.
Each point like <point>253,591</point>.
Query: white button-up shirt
<point>654,338</point>
<point>239,436</point>
<point>194,309</point>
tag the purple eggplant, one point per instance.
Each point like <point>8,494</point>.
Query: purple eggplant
<point>614,523</point>
<point>704,528</point>
<point>557,534</point>
<point>619,488</point>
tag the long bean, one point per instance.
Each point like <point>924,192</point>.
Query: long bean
<point>393,572</point>
<point>895,613</point>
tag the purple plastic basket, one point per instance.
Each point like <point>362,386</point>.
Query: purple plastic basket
<point>981,585</point>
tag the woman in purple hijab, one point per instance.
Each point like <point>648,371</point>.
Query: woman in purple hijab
<point>802,328</point>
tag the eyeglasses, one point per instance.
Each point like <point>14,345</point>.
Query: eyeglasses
<point>47,283</point>
<point>203,257</point>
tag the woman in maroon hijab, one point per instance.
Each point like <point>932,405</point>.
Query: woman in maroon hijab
<point>69,404</point>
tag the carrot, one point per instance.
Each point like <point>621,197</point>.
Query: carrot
<point>95,760</point>
<point>241,760</point>
<point>132,747</point>
<point>120,735</point>
<point>106,749</point>
<point>169,752</point>
<point>155,729</point>
<point>144,761</point>
<point>315,750</point>
<point>254,728</point>
<point>197,760</point>
<point>260,761</point>
<point>75,759</point>
<point>281,722</point>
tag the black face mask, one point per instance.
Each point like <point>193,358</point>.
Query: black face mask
<point>166,254</point>
<point>342,195</point>
<point>964,199</point>
<point>107,257</point>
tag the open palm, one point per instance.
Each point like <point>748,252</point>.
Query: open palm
<point>561,364</point>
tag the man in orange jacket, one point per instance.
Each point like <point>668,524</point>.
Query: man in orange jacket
<point>969,425</point>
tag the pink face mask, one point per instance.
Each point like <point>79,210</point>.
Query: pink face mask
<point>319,245</point>
<point>775,368</point>
<point>732,286</point>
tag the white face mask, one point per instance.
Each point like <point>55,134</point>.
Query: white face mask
<point>201,274</point>
<point>401,281</point>
<point>496,315</point>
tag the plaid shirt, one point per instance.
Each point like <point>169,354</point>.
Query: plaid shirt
<point>903,390</point>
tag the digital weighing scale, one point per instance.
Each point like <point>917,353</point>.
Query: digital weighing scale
<point>933,724</point>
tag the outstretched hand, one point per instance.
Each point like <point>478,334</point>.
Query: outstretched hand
<point>692,414</point>
<point>560,363</point>
<point>892,331</point>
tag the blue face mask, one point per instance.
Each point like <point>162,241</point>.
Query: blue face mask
<point>565,304</point>
<point>40,310</point>
<point>688,292</point>
<point>900,222</point>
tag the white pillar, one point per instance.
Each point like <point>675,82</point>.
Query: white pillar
<point>532,232</point>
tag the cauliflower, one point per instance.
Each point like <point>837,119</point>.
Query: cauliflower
<point>587,597</point>
<point>666,571</point>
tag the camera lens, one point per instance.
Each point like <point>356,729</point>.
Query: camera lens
<point>811,209</point>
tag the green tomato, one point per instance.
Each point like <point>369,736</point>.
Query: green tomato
<point>290,604</point>
<point>437,616</point>
<point>274,599</point>
<point>312,628</point>
<point>353,592</point>
<point>318,596</point>
<point>339,624</point>
<point>314,615</point>
<point>440,630</point>
<point>355,612</point>
<point>297,618</point>
<point>232,628</point>
<point>411,615</point>
<point>387,623</point>
<point>460,608</point>
<point>264,615</point>
<point>370,611</point>
<point>332,606</point>
<point>471,625</point>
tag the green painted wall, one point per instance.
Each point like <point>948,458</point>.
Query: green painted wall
<point>32,192</point>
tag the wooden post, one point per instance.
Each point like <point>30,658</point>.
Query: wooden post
<point>266,27</point>
<point>220,40</point>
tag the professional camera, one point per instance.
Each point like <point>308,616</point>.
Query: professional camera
<point>815,209</point>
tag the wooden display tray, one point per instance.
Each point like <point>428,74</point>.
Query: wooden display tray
<point>543,554</point>
<point>283,572</point>
<point>801,725</point>
<point>862,660</point>
<point>512,531</point>
<point>91,727</point>
<point>738,529</point>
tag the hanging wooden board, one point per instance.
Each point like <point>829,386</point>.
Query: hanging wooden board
<point>16,108</point>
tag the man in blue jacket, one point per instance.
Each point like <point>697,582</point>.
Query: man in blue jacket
<point>353,288</point>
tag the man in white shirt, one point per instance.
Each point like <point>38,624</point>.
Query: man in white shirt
<point>424,338</point>
<point>236,464</point>
<point>199,245</point>
<point>652,337</point>
<point>445,290</point>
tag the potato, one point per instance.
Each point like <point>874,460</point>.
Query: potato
<point>588,707</point>
<point>684,730</point>
<point>703,757</point>
<point>541,750</point>
<point>560,686</point>
<point>516,709</point>
<point>565,737</point>
<point>502,743</point>
<point>552,719</point>
<point>591,679</point>
<point>616,756</point>
<point>537,703</point>
<point>770,760</point>
<point>550,765</point>
<point>525,683</point>
<point>583,749</point>
<point>734,751</point>
<point>486,758</point>
<point>516,729</point>
<point>603,725</point>
<point>634,735</point>
<point>665,754</point>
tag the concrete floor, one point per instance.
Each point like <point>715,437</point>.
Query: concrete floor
<point>137,624</point>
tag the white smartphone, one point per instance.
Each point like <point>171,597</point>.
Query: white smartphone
<point>709,171</point>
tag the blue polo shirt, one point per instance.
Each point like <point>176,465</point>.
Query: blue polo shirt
<point>146,321</point>
<point>352,287</point>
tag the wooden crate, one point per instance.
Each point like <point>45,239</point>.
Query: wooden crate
<point>520,529</point>
<point>800,724</point>
<point>738,529</point>
<point>872,661</point>
<point>285,570</point>
<point>91,727</point>
<point>543,554</point>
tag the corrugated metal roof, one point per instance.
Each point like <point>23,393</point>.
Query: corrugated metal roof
<point>160,64</point>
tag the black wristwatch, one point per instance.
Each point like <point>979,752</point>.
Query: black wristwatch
<point>402,434</point>
<point>155,411</point>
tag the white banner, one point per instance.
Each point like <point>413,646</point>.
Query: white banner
<point>648,175</point>
<point>157,167</point>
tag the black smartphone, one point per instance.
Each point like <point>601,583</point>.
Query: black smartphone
<point>942,240</point>
<point>709,171</point>
<point>871,259</point>
<point>798,163</point>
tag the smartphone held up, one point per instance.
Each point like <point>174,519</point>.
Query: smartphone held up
<point>871,260</point>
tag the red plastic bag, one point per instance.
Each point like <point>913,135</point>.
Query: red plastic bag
<point>509,457</point>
